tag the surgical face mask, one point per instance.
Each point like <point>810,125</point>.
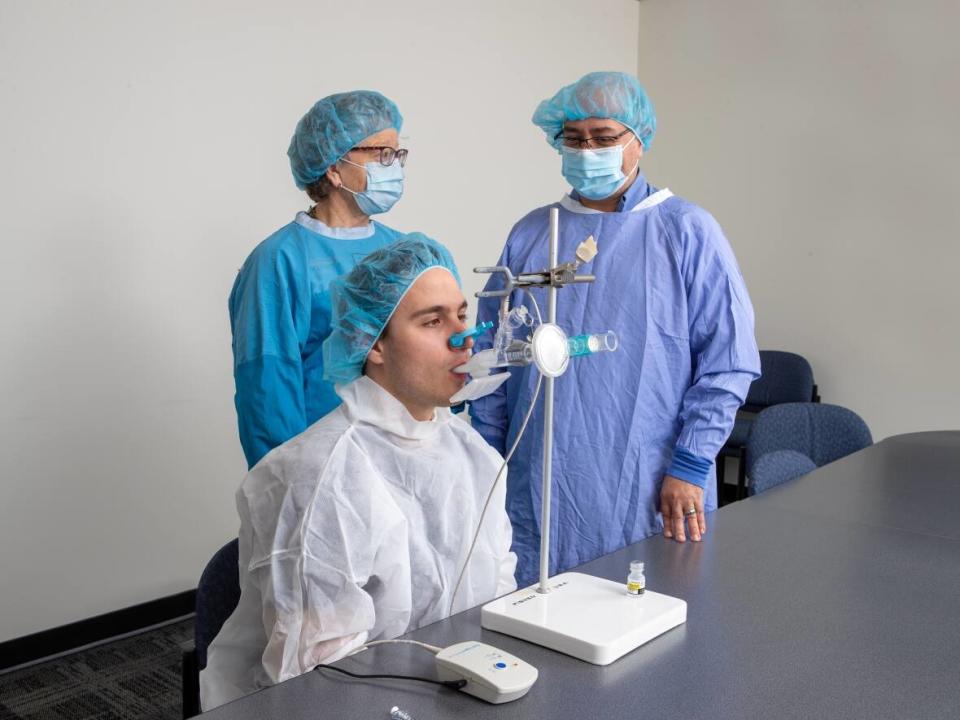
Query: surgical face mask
<point>384,186</point>
<point>595,174</point>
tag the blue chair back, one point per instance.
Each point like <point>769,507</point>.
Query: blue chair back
<point>823,433</point>
<point>787,377</point>
<point>218,593</point>
<point>776,468</point>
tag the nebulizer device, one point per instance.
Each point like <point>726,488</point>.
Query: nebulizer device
<point>547,345</point>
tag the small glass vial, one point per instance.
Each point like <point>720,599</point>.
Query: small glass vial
<point>636,582</point>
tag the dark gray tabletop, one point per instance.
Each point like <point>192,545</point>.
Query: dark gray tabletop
<point>832,596</point>
<point>910,482</point>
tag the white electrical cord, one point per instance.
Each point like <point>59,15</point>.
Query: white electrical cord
<point>432,648</point>
<point>506,460</point>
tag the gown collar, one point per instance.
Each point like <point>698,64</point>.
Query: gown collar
<point>636,197</point>
<point>366,402</point>
<point>352,233</point>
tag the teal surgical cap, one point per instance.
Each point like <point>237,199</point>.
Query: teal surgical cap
<point>333,126</point>
<point>365,299</point>
<point>613,95</point>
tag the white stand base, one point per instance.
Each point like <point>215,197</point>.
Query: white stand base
<point>587,617</point>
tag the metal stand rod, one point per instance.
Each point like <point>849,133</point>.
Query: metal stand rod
<point>548,418</point>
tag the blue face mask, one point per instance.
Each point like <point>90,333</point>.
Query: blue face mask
<point>384,187</point>
<point>595,174</point>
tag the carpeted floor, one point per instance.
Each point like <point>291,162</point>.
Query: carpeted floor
<point>136,677</point>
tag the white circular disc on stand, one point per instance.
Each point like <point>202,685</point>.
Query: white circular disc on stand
<point>551,351</point>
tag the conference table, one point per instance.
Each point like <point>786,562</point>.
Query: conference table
<point>836,595</point>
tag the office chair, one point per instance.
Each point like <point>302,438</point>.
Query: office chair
<point>776,468</point>
<point>792,439</point>
<point>218,593</point>
<point>785,377</point>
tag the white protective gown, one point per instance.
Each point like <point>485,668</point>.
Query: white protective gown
<point>355,530</point>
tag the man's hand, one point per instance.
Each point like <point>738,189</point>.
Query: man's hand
<point>677,498</point>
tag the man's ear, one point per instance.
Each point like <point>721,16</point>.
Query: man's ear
<point>376,354</point>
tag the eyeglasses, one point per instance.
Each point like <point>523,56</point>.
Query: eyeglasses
<point>600,141</point>
<point>387,153</point>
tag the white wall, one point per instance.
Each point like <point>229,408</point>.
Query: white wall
<point>825,137</point>
<point>143,148</point>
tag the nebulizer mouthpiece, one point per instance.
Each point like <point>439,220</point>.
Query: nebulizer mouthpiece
<point>483,362</point>
<point>506,352</point>
<point>479,363</point>
<point>590,344</point>
<point>479,387</point>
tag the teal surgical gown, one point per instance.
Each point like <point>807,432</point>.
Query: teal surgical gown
<point>668,284</point>
<point>280,316</point>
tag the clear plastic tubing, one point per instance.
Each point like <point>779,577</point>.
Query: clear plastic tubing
<point>590,344</point>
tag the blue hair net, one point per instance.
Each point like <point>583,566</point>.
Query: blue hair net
<point>613,95</point>
<point>333,126</point>
<point>365,298</point>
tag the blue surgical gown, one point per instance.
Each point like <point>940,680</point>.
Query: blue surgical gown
<point>668,284</point>
<point>280,316</point>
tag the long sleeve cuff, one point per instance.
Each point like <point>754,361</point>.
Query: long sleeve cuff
<point>689,467</point>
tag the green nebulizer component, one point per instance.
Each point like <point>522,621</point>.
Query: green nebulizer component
<point>458,339</point>
<point>590,344</point>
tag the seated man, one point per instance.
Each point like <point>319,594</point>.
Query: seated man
<point>357,529</point>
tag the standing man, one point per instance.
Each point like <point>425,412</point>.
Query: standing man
<point>345,155</point>
<point>636,431</point>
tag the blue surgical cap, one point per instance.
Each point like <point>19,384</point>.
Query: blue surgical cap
<point>333,126</point>
<point>365,299</point>
<point>613,95</point>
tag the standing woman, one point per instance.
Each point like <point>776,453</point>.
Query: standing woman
<point>345,154</point>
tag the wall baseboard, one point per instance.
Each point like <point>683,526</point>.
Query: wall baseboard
<point>102,627</point>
